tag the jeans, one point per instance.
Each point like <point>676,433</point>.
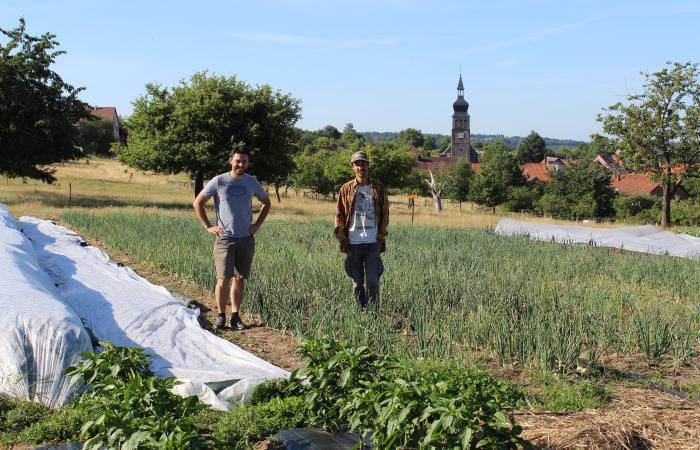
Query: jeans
<point>363,264</point>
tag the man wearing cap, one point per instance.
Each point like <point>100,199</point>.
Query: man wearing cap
<point>361,220</point>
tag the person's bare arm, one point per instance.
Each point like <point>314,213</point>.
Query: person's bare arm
<point>262,215</point>
<point>198,205</point>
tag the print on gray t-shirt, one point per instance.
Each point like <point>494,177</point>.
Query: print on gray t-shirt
<point>233,202</point>
<point>363,229</point>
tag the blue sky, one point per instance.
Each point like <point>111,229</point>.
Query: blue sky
<point>383,65</point>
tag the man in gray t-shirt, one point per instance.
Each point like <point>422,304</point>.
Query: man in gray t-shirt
<point>234,247</point>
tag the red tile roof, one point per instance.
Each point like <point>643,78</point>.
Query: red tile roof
<point>631,183</point>
<point>437,162</point>
<point>532,171</point>
<point>105,112</point>
<point>441,163</point>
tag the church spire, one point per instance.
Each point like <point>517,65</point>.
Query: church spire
<point>460,87</point>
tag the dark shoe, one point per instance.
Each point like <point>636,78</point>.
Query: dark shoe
<point>361,297</point>
<point>237,324</point>
<point>220,323</point>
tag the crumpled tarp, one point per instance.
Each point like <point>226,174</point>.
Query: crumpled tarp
<point>646,238</point>
<point>118,305</point>
<point>40,336</point>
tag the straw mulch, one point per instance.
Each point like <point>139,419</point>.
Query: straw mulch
<point>636,419</point>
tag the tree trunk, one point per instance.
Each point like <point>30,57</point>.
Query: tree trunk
<point>198,184</point>
<point>435,191</point>
<point>277,193</point>
<point>438,201</point>
<point>666,207</point>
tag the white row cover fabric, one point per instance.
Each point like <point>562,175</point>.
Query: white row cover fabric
<point>39,335</point>
<point>119,306</point>
<point>646,238</point>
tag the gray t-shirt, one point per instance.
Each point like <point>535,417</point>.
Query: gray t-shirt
<point>233,202</point>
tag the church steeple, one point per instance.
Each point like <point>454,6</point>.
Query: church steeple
<point>461,139</point>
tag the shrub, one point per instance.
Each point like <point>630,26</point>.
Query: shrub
<point>241,426</point>
<point>685,212</point>
<point>521,198</point>
<point>270,389</point>
<point>638,208</point>
<point>96,136</point>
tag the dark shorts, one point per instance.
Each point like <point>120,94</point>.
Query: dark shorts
<point>233,256</point>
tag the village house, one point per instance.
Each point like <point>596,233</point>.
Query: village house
<point>109,113</point>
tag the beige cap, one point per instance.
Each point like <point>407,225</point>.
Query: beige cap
<point>359,156</point>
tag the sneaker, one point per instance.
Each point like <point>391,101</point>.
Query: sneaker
<point>237,324</point>
<point>220,323</point>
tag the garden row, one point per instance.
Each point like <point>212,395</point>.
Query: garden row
<point>446,292</point>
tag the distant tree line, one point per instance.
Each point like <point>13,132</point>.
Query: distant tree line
<point>513,142</point>
<point>191,127</point>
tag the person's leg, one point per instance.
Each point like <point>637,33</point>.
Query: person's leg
<point>223,262</point>
<point>221,293</point>
<point>237,289</point>
<point>245,250</point>
<point>373,270</point>
<point>354,267</point>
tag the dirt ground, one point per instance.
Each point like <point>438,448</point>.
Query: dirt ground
<point>636,419</point>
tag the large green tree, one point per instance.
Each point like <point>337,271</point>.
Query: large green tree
<point>95,136</point>
<point>499,172</point>
<point>191,127</point>
<point>38,109</point>
<point>412,136</point>
<point>531,149</point>
<point>581,190</point>
<point>323,172</point>
<point>658,130</point>
<point>330,131</point>
<point>391,166</point>
<point>461,175</point>
<point>351,139</point>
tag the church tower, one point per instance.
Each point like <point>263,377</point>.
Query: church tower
<point>461,143</point>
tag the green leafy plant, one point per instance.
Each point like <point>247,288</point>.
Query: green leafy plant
<point>332,372</point>
<point>418,406</point>
<point>270,389</point>
<point>130,408</point>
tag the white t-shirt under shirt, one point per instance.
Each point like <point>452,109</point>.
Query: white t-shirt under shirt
<point>364,225</point>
